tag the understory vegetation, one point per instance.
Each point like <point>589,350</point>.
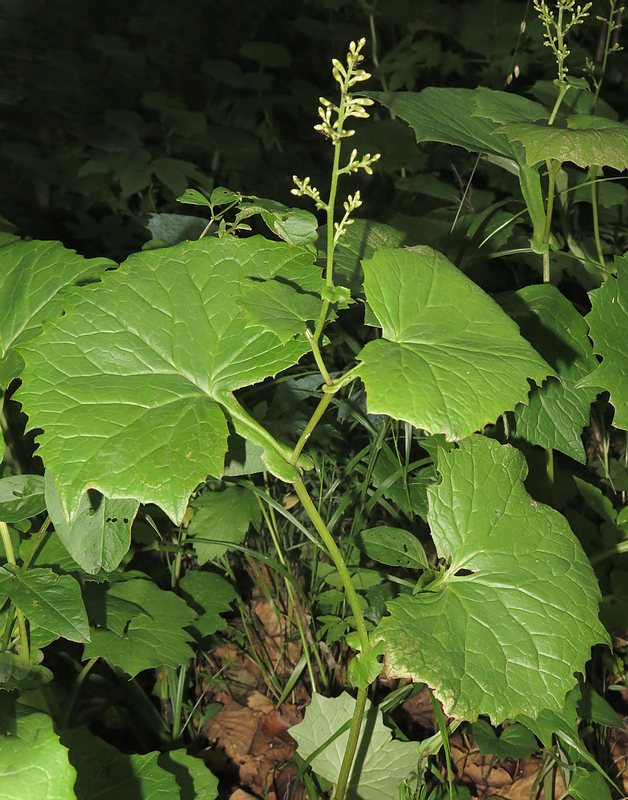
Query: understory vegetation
<point>315,400</point>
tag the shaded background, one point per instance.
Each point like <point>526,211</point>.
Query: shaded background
<point>111,110</point>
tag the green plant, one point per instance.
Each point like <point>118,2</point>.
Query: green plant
<point>142,379</point>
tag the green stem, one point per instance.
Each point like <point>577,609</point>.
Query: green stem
<point>352,598</point>
<point>176,699</point>
<point>549,463</point>
<point>339,562</point>
<point>24,646</point>
<point>607,46</point>
<point>312,423</point>
<point>548,784</point>
<point>352,744</point>
<point>314,339</point>
<point>21,621</point>
<point>6,541</point>
<point>596,221</point>
<point>552,170</point>
<point>8,627</point>
<point>564,88</point>
<point>75,691</point>
<point>41,533</point>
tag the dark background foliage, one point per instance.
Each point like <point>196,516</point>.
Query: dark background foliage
<point>111,110</point>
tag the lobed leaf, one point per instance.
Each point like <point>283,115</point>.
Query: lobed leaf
<point>448,115</point>
<point>129,386</point>
<point>511,619</point>
<point>156,637</point>
<point>383,761</point>
<point>450,361</point>
<point>586,141</point>
<point>558,410</point>
<point>32,277</point>
<point>33,763</point>
<point>608,321</point>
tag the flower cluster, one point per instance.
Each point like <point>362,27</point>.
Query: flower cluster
<point>556,28</point>
<point>333,118</point>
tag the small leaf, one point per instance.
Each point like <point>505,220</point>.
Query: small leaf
<point>393,546</point>
<point>209,595</point>
<point>383,762</point>
<point>224,517</point>
<point>296,226</point>
<point>516,741</point>
<point>194,198</point>
<point>101,535</point>
<point>364,668</point>
<point>221,196</point>
<point>336,294</point>
<point>21,497</point>
<point>52,601</point>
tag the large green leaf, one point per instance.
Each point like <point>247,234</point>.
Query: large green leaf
<point>33,763</point>
<point>32,275</point>
<point>608,322</point>
<point>151,639</point>
<point>586,141</point>
<point>128,385</point>
<point>447,115</point>
<point>107,774</point>
<point>513,616</point>
<point>450,359</point>
<point>51,601</point>
<point>503,107</point>
<point>557,411</point>
<point>382,762</point>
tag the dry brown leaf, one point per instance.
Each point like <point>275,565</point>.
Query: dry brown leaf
<point>233,729</point>
<point>240,794</point>
<point>259,702</point>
